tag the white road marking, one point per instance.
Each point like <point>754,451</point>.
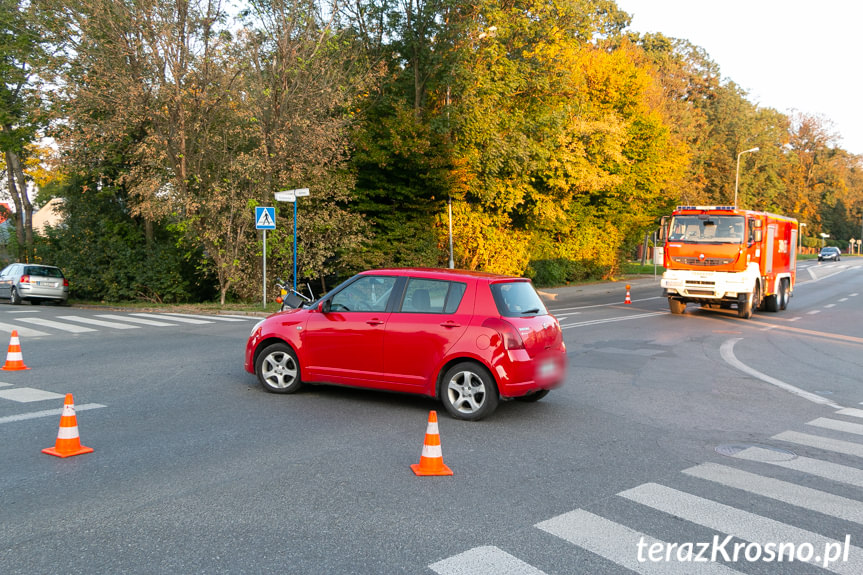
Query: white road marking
<point>563,309</point>
<point>211,317</point>
<point>47,413</point>
<point>851,411</point>
<point>813,312</point>
<point>737,522</point>
<point>28,395</point>
<point>23,311</point>
<point>613,319</point>
<point>727,353</point>
<point>173,317</point>
<point>22,331</point>
<point>826,443</point>
<point>100,323</point>
<point>793,494</point>
<point>618,543</point>
<point>484,561</point>
<point>837,425</point>
<point>825,469</point>
<point>56,325</point>
<point>139,320</point>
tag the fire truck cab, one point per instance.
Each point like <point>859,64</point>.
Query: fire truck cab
<point>722,256</point>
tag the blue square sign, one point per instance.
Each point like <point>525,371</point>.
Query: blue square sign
<point>265,218</point>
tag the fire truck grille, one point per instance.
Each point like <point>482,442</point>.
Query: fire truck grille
<point>704,262</point>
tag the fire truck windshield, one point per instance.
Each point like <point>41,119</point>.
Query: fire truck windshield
<point>707,229</point>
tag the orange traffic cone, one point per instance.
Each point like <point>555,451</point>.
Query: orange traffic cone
<point>628,300</point>
<point>431,460</point>
<point>14,359</point>
<point>68,442</point>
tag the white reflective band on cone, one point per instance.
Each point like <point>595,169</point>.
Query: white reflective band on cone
<point>68,433</point>
<point>68,410</point>
<point>14,356</point>
<point>433,451</point>
<point>432,428</point>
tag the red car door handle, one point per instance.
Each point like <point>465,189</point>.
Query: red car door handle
<point>375,321</point>
<point>450,324</point>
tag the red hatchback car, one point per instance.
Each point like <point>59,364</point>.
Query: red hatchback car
<point>468,338</point>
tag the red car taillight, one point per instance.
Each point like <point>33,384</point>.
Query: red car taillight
<point>508,333</point>
<point>65,282</point>
<point>25,279</point>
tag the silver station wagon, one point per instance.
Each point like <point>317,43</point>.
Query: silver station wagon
<point>33,282</point>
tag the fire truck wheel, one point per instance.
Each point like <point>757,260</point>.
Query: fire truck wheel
<point>676,306</point>
<point>752,301</point>
<point>771,303</point>
<point>784,296</point>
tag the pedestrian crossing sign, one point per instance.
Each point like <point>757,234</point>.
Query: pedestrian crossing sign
<point>265,218</point>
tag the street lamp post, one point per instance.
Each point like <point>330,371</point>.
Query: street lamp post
<point>737,177</point>
<point>800,239</point>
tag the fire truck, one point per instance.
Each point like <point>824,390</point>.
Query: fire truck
<point>720,256</point>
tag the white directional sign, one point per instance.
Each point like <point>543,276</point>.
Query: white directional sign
<point>265,218</point>
<point>291,195</point>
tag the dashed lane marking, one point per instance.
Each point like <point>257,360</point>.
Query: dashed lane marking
<point>47,413</point>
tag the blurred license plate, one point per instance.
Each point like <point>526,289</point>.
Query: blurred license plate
<point>547,368</point>
<point>47,284</point>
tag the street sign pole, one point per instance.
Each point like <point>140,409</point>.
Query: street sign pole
<point>295,244</point>
<point>291,196</point>
<point>265,219</point>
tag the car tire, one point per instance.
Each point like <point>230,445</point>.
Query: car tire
<point>14,298</point>
<point>278,369</point>
<point>468,391</point>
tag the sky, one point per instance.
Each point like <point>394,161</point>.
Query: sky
<point>791,55</point>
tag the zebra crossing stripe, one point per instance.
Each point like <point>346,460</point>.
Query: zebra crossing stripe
<point>209,317</point>
<point>825,469</point>
<point>797,495</point>
<point>826,443</point>
<point>852,411</point>
<point>484,561</point>
<point>619,544</point>
<point>56,325</point>
<point>22,331</point>
<point>100,323</point>
<point>836,425</point>
<point>139,320</point>
<point>179,318</point>
<point>741,524</point>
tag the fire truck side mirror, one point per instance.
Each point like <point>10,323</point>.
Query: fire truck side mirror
<point>663,226</point>
<point>757,236</point>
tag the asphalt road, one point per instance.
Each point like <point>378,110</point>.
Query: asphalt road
<point>676,429</point>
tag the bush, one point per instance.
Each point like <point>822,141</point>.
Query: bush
<point>561,271</point>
